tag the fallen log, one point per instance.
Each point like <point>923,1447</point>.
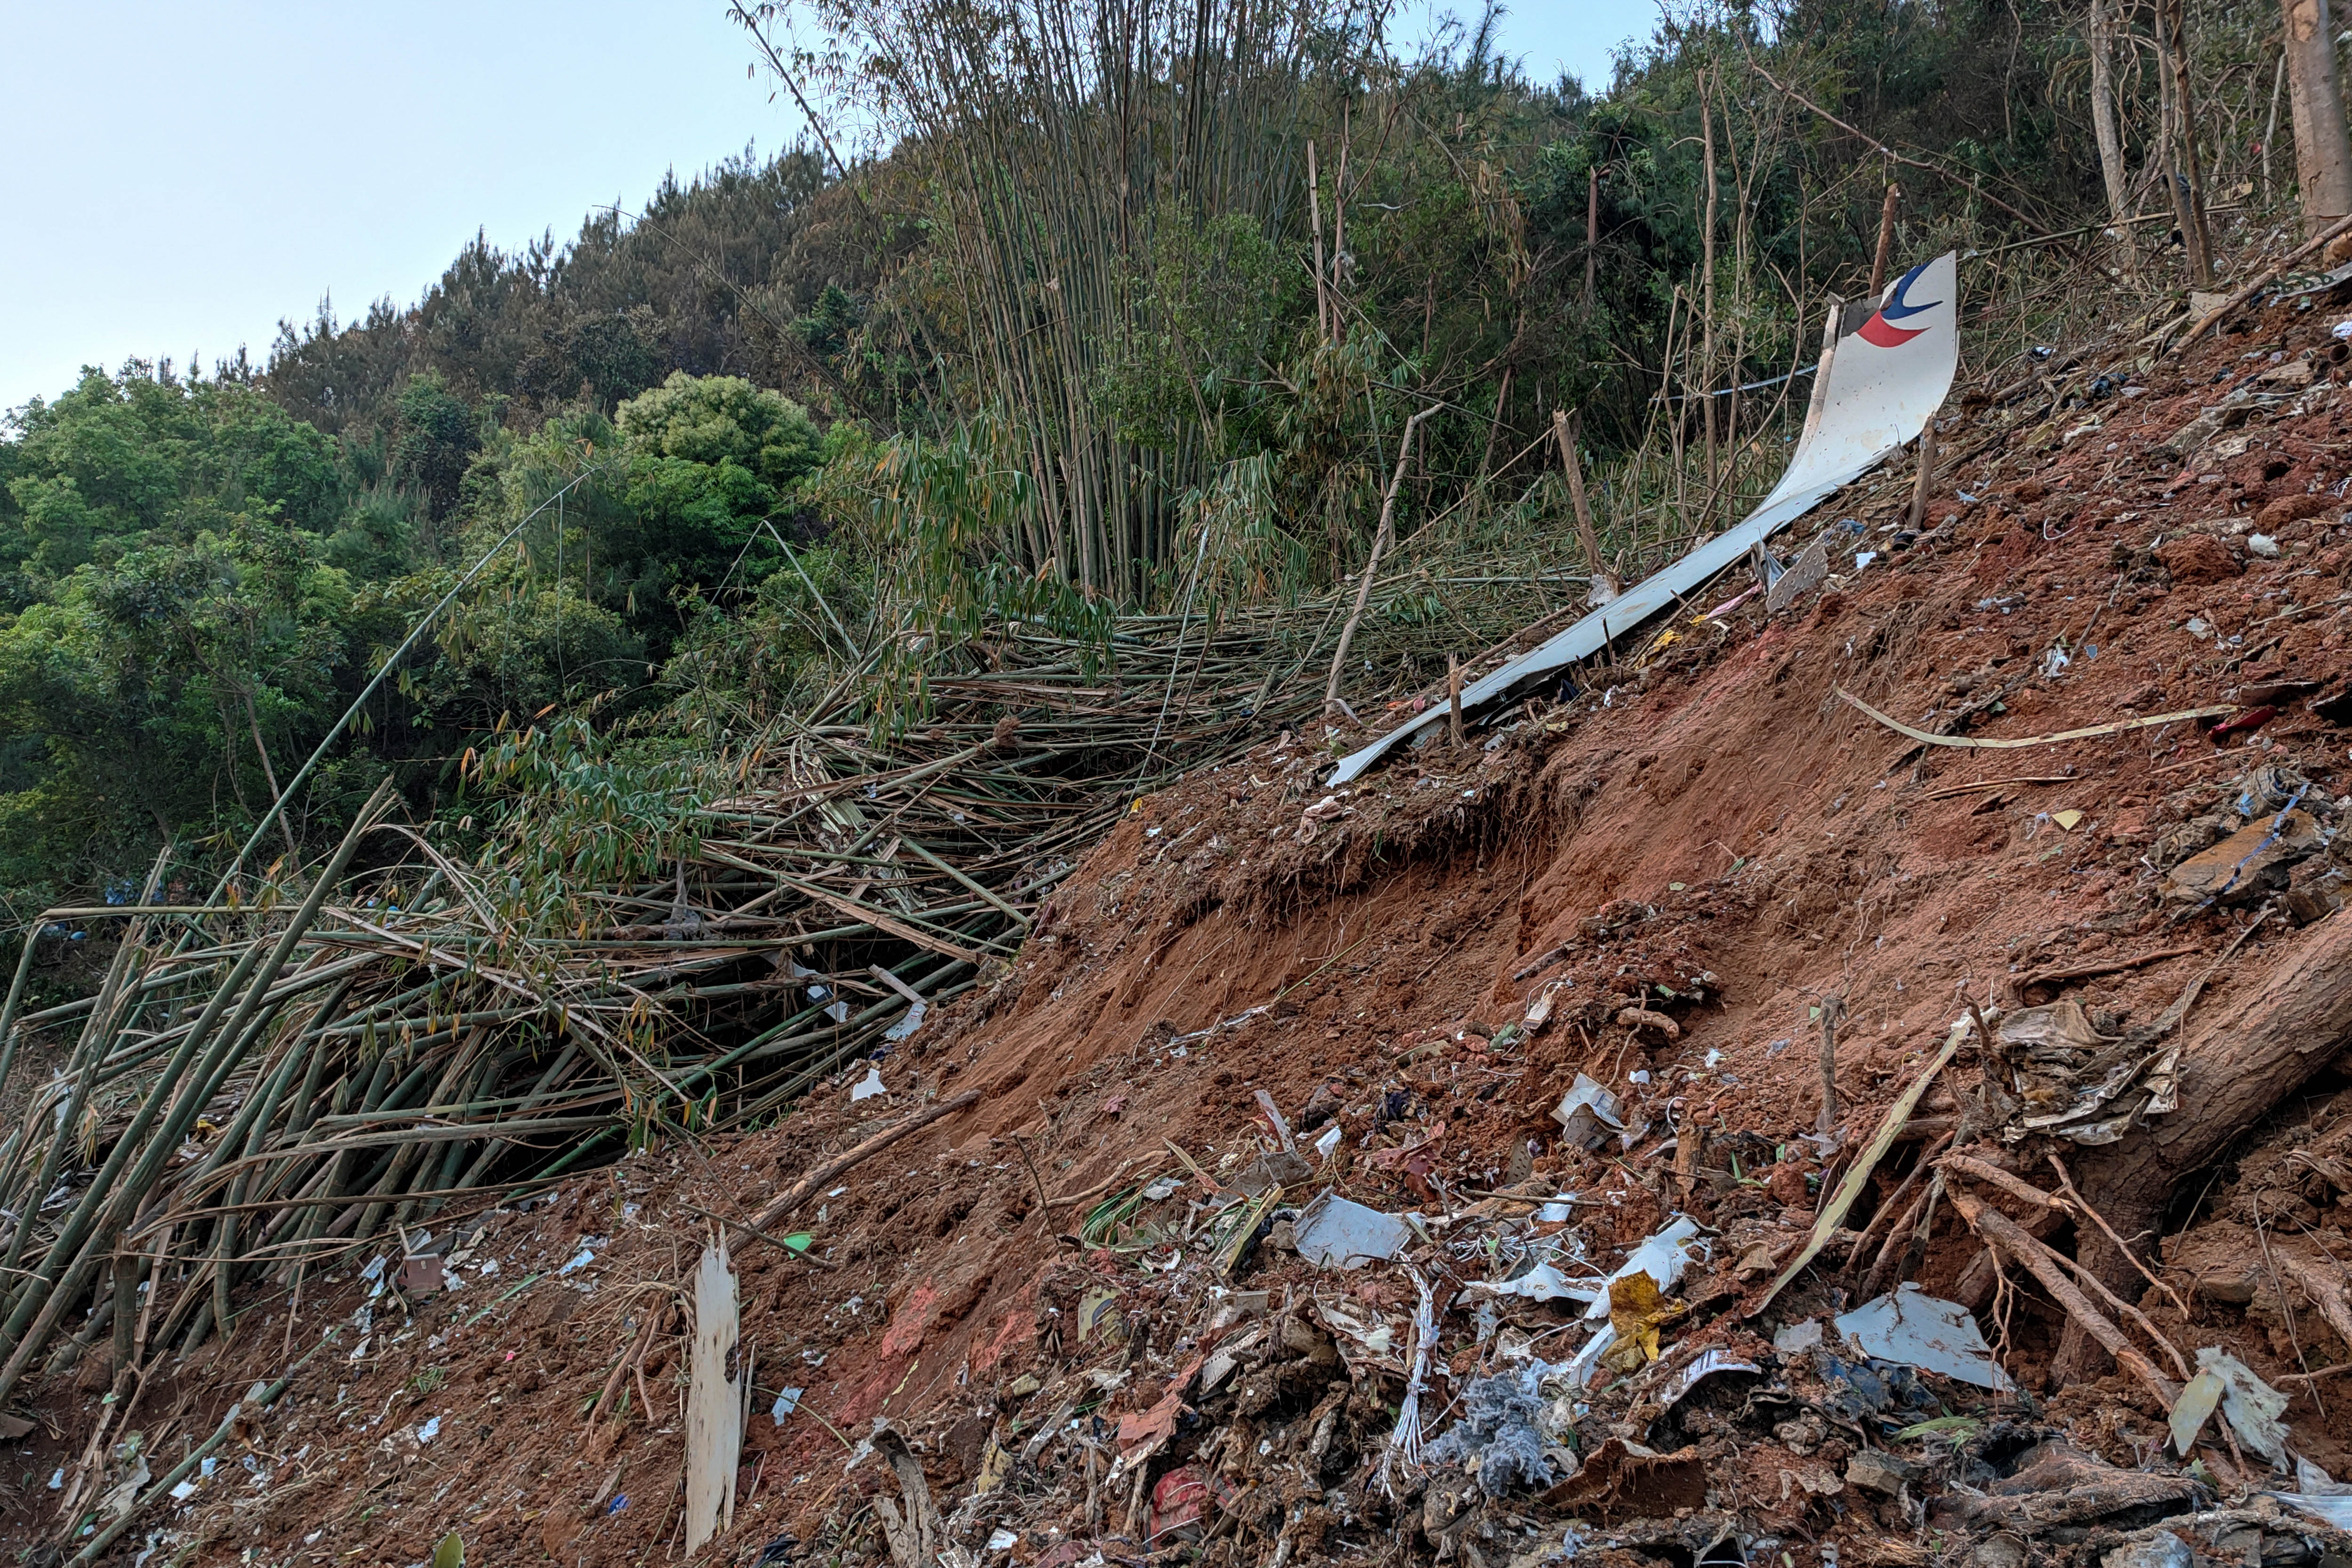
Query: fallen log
<point>2004,1232</point>
<point>791,1197</point>
<point>2249,1050</point>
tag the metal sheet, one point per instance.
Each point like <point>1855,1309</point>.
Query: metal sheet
<point>1883,383</point>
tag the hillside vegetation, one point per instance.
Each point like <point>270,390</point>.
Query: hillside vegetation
<point>1118,313</point>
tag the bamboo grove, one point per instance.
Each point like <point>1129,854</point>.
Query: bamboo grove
<point>1178,278</point>
<point>260,1085</point>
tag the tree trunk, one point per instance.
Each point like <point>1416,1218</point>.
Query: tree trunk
<point>2254,1047</point>
<point>2322,155</point>
<point>2174,19</point>
<point>2111,142</point>
<point>1707,263</point>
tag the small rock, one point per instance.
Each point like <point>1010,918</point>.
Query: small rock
<point>2276,514</point>
<point>1786,1183</point>
<point>1656,1023</point>
<point>1875,1469</point>
<point>2198,558</point>
<point>2160,1550</point>
<point>1801,1435</point>
<point>2003,1551</point>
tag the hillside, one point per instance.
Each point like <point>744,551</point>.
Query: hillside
<point>1068,1318</point>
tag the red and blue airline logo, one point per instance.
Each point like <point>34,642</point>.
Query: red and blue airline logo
<point>1881,330</point>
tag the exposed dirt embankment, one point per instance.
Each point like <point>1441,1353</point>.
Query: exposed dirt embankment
<point>1667,878</point>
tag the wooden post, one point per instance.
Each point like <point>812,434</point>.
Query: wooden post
<point>1885,239</point>
<point>1926,476</point>
<point>1453,699</point>
<point>1587,538</point>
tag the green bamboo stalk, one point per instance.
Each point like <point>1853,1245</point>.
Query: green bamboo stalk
<point>36,1306</point>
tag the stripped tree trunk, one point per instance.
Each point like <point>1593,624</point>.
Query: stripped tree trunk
<point>2111,142</point>
<point>2323,154</point>
<point>2254,1047</point>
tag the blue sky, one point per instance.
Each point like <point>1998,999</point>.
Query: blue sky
<point>181,176</point>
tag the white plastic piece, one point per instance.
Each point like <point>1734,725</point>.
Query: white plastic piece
<point>1795,1339</point>
<point>1584,1110</point>
<point>1333,1232</point>
<point>1706,1363</point>
<point>868,1087</point>
<point>1919,1329</point>
<point>2334,1510</point>
<point>1663,1258</point>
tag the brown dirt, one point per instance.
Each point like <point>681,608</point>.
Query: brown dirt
<point>1691,856</point>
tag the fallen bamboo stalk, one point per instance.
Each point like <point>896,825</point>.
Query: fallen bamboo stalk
<point>1832,1215</point>
<point>107,1536</point>
<point>2120,726</point>
<point>798,1193</point>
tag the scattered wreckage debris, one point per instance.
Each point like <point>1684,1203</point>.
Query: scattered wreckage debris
<point>1382,1217</point>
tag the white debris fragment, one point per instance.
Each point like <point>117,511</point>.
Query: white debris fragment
<point>868,1087</point>
<point>1926,1331</point>
<point>1663,1258</point>
<point>1334,1233</point>
<point>2253,1406</point>
<point>1585,1110</point>
<point>1794,1339</point>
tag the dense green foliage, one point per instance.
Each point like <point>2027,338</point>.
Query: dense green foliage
<point>779,427</point>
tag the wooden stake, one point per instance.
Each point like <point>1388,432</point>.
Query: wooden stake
<point>1592,229</point>
<point>1453,699</point>
<point>1885,239</point>
<point>1927,476</point>
<point>1587,539</point>
<point>1380,537</point>
<point>1832,1008</point>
